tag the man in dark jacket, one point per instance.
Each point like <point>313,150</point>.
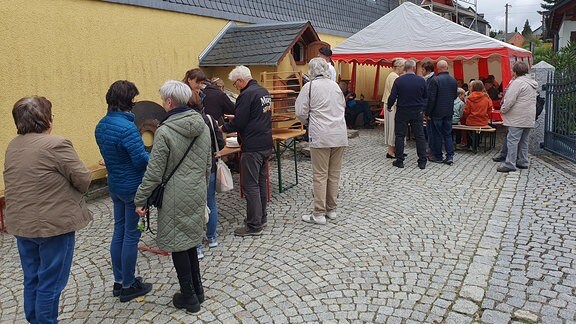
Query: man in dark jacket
<point>442,91</point>
<point>253,122</point>
<point>409,90</point>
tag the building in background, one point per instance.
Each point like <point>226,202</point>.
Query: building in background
<point>462,12</point>
<point>560,23</point>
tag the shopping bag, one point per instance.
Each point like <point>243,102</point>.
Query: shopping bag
<point>223,177</point>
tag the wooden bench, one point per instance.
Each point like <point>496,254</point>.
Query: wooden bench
<point>98,172</point>
<point>477,133</point>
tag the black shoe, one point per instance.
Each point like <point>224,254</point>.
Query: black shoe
<point>422,165</point>
<point>504,169</point>
<point>522,167</point>
<point>137,289</point>
<point>190,302</point>
<point>448,161</point>
<point>433,160</point>
<point>398,164</point>
<point>247,231</point>
<point>118,287</point>
<point>388,156</point>
<point>499,159</point>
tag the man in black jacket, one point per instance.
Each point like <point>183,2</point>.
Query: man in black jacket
<point>409,90</point>
<point>253,122</point>
<point>442,91</point>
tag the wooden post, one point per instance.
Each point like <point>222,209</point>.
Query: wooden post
<point>376,82</point>
<point>353,79</point>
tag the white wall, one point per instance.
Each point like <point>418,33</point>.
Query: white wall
<point>568,26</point>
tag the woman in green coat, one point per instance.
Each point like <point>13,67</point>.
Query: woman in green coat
<point>181,217</point>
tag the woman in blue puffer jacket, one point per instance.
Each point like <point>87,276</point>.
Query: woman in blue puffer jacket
<point>126,159</point>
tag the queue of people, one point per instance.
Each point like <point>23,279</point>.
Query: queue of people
<point>186,145</point>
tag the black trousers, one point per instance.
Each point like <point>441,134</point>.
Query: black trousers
<point>254,185</point>
<point>416,121</point>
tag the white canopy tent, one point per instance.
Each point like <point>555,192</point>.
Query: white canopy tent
<point>410,31</point>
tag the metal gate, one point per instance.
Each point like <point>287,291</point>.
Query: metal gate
<point>560,121</point>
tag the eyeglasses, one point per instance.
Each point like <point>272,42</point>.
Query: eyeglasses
<point>234,84</point>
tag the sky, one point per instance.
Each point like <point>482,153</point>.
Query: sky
<point>520,10</point>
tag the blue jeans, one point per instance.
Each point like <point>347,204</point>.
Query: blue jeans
<point>211,200</point>
<point>124,245</point>
<point>441,131</point>
<point>46,265</point>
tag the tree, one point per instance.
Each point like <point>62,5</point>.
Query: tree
<point>527,30</point>
<point>494,33</point>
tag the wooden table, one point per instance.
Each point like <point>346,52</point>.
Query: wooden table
<point>280,137</point>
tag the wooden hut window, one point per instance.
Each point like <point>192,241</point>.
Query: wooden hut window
<point>298,53</point>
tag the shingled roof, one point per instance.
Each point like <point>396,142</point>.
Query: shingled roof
<point>337,17</point>
<point>258,44</point>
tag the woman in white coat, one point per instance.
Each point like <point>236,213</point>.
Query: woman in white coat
<point>389,116</point>
<point>321,105</point>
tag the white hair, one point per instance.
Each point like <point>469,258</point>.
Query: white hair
<point>178,91</point>
<point>240,72</point>
<point>318,67</point>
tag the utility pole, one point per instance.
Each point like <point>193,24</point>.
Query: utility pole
<point>506,23</point>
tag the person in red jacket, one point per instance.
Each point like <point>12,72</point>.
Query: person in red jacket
<point>478,106</point>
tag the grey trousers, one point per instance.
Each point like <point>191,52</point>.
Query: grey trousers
<point>517,141</point>
<point>254,186</point>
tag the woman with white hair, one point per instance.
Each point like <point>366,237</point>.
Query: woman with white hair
<point>321,105</point>
<point>181,143</point>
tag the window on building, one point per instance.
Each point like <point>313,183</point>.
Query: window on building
<point>298,53</point>
<point>572,37</point>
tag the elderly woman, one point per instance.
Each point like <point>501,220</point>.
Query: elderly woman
<point>389,116</point>
<point>519,113</point>
<point>181,217</point>
<point>45,182</point>
<point>320,105</point>
<point>126,158</point>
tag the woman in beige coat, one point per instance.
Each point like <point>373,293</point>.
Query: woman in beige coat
<point>389,116</point>
<point>45,182</point>
<point>519,115</point>
<point>320,105</point>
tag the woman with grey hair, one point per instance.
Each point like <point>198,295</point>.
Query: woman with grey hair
<point>181,143</point>
<point>519,114</point>
<point>321,106</point>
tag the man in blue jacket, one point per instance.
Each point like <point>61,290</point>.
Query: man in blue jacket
<point>409,90</point>
<point>253,122</point>
<point>442,91</point>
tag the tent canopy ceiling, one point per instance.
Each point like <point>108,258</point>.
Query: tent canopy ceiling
<point>410,31</point>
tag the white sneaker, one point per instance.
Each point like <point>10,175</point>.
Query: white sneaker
<point>314,219</point>
<point>200,251</point>
<point>331,214</point>
<point>212,242</point>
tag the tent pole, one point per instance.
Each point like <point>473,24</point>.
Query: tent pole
<point>353,79</point>
<point>376,82</point>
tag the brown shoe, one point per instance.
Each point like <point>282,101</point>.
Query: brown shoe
<point>247,231</point>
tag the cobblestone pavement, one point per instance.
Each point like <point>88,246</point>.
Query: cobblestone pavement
<point>449,244</point>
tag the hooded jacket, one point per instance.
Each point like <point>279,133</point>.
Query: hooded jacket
<point>477,109</point>
<point>181,218</point>
<point>519,104</point>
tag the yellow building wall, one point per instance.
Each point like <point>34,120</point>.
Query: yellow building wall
<point>70,51</point>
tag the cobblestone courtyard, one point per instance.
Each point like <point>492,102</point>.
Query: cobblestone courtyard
<point>449,244</point>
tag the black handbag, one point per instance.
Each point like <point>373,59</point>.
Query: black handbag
<point>157,194</point>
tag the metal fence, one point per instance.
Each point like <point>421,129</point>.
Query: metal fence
<point>560,121</point>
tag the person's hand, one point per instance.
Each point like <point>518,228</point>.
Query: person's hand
<point>229,117</point>
<point>216,155</point>
<point>220,129</point>
<point>141,211</point>
<point>101,162</point>
<point>389,109</point>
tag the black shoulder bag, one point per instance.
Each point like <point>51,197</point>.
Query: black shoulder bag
<point>157,194</point>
